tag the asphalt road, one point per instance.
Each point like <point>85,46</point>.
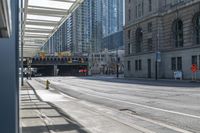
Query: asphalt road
<point>158,106</point>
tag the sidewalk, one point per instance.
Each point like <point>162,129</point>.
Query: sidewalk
<point>40,117</point>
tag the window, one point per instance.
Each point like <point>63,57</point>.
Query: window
<point>197,28</point>
<point>129,65</point>
<point>149,25</point>
<point>129,34</point>
<point>136,11</point>
<point>139,40</point>
<point>136,65</point>
<point>178,33</point>
<point>129,14</point>
<point>176,63</point>
<point>174,2</point>
<point>150,5</point>
<point>142,8</point>
<point>173,63</point>
<point>129,48</point>
<point>194,59</point>
<point>150,44</point>
<point>179,63</point>
<point>139,8</point>
<point>140,64</point>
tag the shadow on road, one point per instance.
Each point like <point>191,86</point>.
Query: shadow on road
<point>38,116</point>
<point>147,82</point>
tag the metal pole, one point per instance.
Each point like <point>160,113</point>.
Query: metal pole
<point>117,70</point>
<point>22,65</point>
<point>30,68</point>
<point>156,70</point>
<point>157,49</point>
<point>22,43</point>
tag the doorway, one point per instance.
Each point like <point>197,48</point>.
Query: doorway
<point>149,68</point>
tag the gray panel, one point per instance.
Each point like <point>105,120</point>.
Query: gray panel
<point>9,77</point>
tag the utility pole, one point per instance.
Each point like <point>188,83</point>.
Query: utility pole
<point>156,70</point>
<point>158,56</point>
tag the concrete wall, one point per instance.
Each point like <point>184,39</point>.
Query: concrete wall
<point>144,72</point>
<point>9,90</point>
<point>186,55</point>
<point>164,67</point>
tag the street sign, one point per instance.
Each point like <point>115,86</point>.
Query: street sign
<point>158,57</point>
<point>194,68</point>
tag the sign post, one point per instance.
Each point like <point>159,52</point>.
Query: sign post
<point>158,59</point>
<point>194,70</point>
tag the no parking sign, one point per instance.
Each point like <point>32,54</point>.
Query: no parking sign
<point>194,68</point>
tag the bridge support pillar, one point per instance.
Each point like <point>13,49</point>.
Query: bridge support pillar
<point>55,70</point>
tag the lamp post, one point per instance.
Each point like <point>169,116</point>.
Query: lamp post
<point>158,55</point>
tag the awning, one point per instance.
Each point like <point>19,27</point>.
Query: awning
<point>41,19</point>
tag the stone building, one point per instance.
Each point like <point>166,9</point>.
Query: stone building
<point>105,62</point>
<point>168,27</point>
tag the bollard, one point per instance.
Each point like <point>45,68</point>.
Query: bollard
<point>47,84</point>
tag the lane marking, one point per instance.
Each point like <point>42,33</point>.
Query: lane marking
<point>149,120</point>
<point>161,124</point>
<point>136,127</point>
<point>110,113</point>
<point>146,106</point>
<point>141,105</point>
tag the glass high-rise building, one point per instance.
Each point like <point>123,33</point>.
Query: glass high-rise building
<point>112,16</point>
<point>84,30</point>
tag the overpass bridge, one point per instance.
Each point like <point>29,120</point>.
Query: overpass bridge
<point>58,66</point>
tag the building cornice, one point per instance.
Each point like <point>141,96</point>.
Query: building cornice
<point>161,13</point>
<point>164,51</point>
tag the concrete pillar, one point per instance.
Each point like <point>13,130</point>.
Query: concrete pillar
<point>9,76</point>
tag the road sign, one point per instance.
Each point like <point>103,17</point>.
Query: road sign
<point>194,68</point>
<point>158,57</point>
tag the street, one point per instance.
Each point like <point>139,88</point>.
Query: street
<point>145,105</point>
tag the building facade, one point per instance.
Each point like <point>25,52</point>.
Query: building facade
<point>77,35</point>
<point>94,26</point>
<point>105,62</point>
<point>113,41</point>
<point>112,16</point>
<point>168,27</point>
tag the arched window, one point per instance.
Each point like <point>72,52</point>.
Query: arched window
<point>197,28</point>
<point>139,39</point>
<point>178,33</point>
